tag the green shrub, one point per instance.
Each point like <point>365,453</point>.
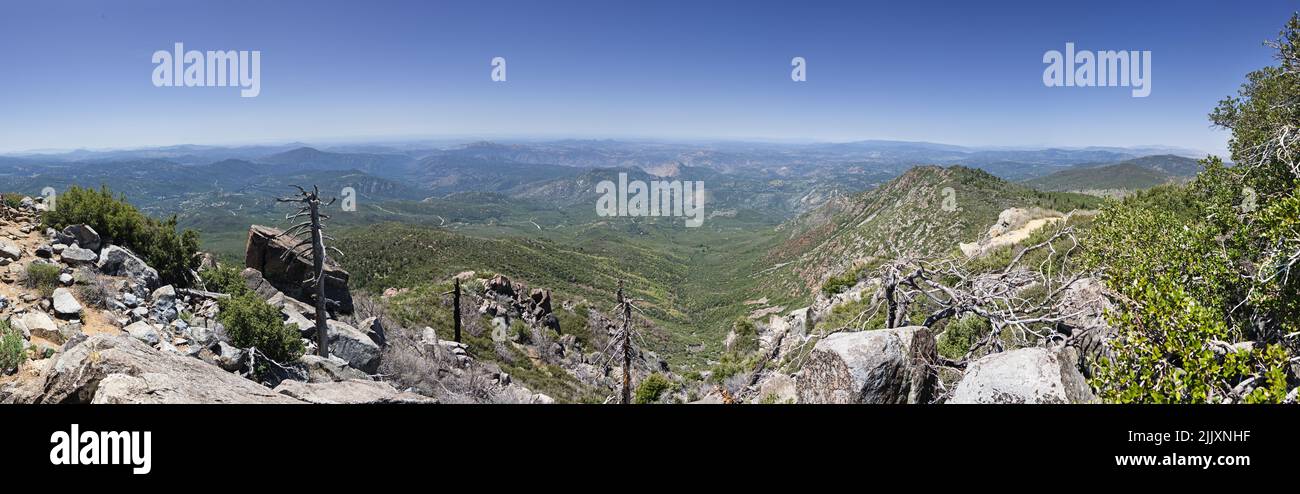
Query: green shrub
<point>522,334</point>
<point>837,284</point>
<point>960,334</point>
<point>157,242</point>
<point>651,388</point>
<point>1202,267</point>
<point>855,315</point>
<point>11,348</point>
<point>731,364</point>
<point>846,280</point>
<point>251,322</point>
<point>12,200</point>
<point>224,279</point>
<point>42,277</point>
<point>746,336</point>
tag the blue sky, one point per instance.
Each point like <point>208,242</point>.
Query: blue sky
<point>77,74</point>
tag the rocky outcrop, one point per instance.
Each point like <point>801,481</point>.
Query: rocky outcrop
<point>354,346</point>
<point>118,261</point>
<point>66,305</point>
<point>10,251</point>
<point>352,391</point>
<point>266,252</point>
<point>77,256</point>
<point>878,366</point>
<point>320,369</point>
<point>82,236</point>
<point>37,324</point>
<point>121,369</point>
<point>1026,375</point>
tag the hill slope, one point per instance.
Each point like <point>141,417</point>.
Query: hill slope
<point>1134,174</point>
<point>907,216</point>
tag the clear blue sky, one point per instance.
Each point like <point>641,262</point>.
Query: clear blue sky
<point>77,74</point>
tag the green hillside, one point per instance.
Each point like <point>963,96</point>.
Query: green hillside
<point>907,216</point>
<point>1136,174</point>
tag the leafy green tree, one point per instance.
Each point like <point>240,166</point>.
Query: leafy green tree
<point>251,322</point>
<point>158,242</point>
<point>1209,307</point>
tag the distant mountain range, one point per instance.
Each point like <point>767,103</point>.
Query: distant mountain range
<point>764,180</point>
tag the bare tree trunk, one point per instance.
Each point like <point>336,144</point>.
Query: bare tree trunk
<point>625,345</point>
<point>318,264</point>
<point>455,308</point>
<point>310,207</point>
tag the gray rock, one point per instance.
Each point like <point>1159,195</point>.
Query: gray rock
<point>65,279</point>
<point>373,328</point>
<point>118,369</point>
<point>1027,375</point>
<point>77,256</point>
<point>229,357</point>
<point>164,304</point>
<point>778,388</point>
<point>254,281</point>
<point>265,252</point>
<point>355,391</point>
<point>320,369</point>
<point>144,331</point>
<point>200,336</point>
<point>83,235</point>
<point>355,347</point>
<point>9,250</point>
<point>44,251</point>
<point>117,261</point>
<point>306,327</point>
<point>38,324</point>
<point>429,338</point>
<point>66,305</point>
<point>877,366</point>
<point>282,301</point>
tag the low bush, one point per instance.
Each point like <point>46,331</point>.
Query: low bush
<point>42,277</point>
<point>224,279</point>
<point>11,348</point>
<point>746,340</point>
<point>652,388</point>
<point>251,322</point>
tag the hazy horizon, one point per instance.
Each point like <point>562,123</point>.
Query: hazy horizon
<point>673,71</point>
<point>460,140</point>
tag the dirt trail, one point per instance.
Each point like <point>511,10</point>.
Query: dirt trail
<point>94,321</point>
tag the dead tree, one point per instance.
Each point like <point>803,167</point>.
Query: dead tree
<point>622,341</point>
<point>624,344</point>
<point>455,308</point>
<point>311,244</point>
<point>999,297</point>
